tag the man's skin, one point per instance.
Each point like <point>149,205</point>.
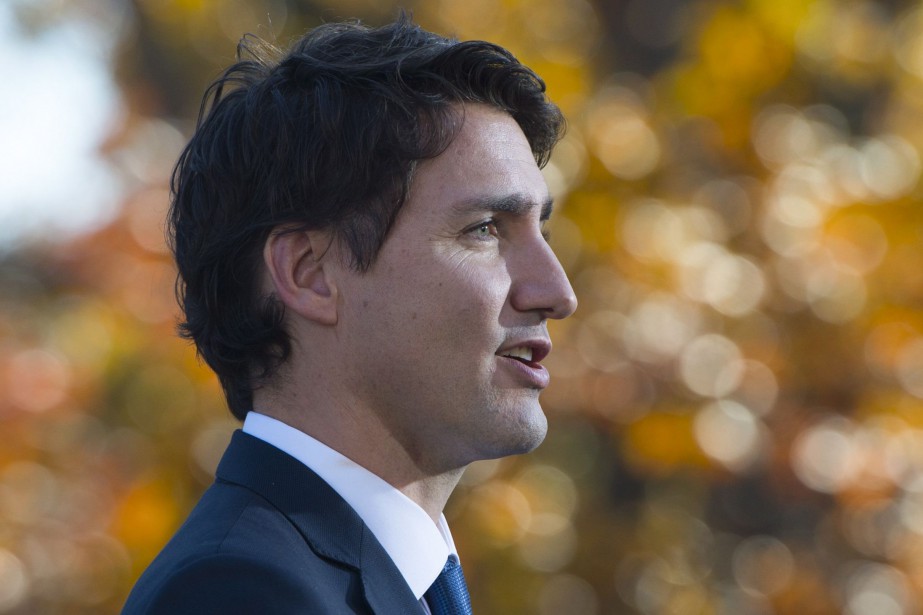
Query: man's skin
<point>403,368</point>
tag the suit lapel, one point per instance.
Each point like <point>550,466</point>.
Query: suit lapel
<point>328,524</point>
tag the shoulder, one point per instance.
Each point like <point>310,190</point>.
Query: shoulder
<point>238,554</point>
<point>224,583</point>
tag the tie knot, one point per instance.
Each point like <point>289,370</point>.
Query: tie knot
<point>448,595</point>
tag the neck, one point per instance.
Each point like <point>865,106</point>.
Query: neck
<point>432,493</point>
<point>367,441</point>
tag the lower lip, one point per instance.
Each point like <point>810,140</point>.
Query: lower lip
<point>533,375</point>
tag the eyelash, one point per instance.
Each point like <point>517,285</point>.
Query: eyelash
<point>546,234</point>
<point>486,223</point>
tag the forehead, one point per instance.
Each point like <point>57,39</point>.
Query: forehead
<point>489,158</point>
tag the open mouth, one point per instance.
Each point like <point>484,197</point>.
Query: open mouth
<point>525,354</point>
<point>529,354</point>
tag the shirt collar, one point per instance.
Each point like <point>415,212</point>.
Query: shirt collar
<point>418,547</point>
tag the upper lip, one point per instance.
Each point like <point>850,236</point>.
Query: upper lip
<point>540,347</point>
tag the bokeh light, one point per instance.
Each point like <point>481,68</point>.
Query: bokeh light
<point>736,409</point>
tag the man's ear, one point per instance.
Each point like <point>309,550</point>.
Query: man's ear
<point>295,261</point>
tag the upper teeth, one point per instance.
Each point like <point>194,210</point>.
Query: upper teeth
<point>520,352</point>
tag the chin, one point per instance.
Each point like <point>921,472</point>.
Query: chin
<point>522,437</point>
<point>536,436</point>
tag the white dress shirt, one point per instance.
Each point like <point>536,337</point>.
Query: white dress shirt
<point>418,547</point>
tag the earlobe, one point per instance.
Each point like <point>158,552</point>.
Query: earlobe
<point>295,262</point>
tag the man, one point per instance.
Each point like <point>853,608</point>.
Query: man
<point>358,228</point>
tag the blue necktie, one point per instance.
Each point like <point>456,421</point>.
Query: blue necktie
<point>448,595</point>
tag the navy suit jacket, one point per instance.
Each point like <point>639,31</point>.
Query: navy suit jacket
<point>270,536</point>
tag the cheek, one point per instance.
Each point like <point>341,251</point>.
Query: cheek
<point>457,306</point>
<point>439,294</point>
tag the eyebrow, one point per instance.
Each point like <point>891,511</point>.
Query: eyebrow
<point>518,204</point>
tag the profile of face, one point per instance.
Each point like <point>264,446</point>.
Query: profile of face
<point>449,325</point>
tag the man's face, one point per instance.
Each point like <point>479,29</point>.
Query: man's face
<point>448,326</point>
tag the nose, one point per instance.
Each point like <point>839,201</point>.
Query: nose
<point>540,284</point>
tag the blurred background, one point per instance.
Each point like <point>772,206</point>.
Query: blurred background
<point>736,422</point>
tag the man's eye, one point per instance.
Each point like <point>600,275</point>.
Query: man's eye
<point>485,230</point>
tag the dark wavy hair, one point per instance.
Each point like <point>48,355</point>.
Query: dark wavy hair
<point>323,136</point>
